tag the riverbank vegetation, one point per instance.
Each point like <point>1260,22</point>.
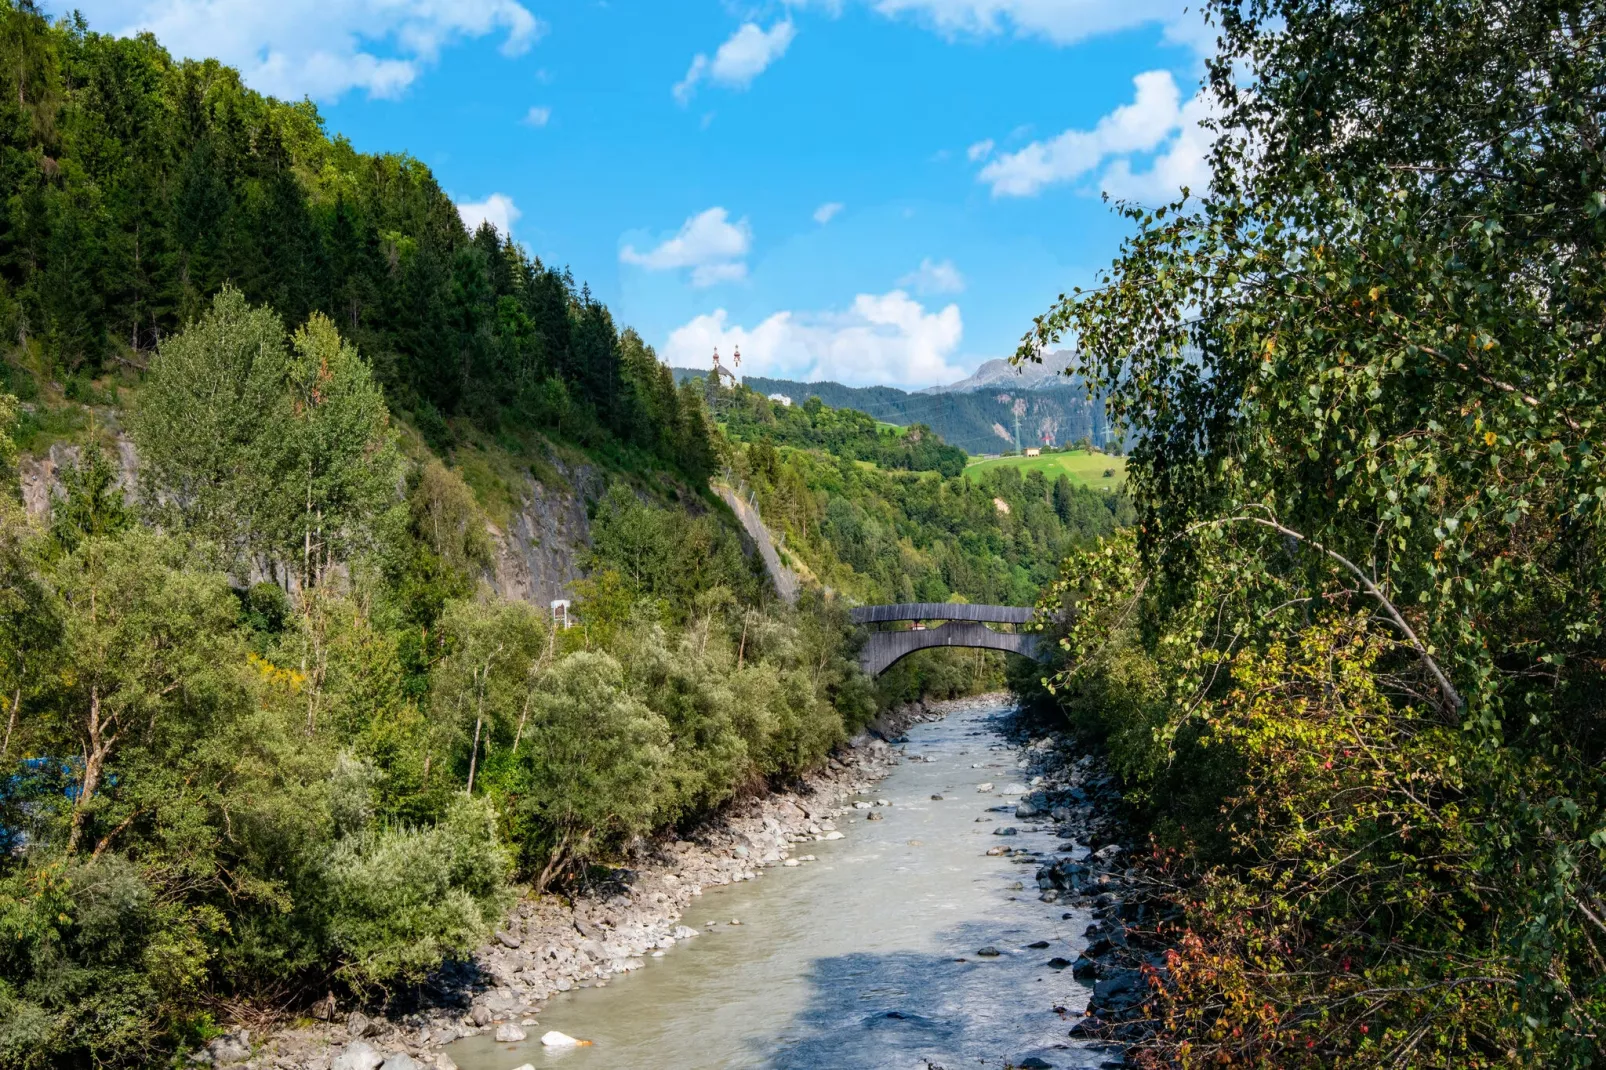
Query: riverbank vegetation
<point>1349,660</point>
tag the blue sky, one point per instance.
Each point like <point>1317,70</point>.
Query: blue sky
<point>872,191</point>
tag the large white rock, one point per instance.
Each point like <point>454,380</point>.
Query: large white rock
<point>359,1055</point>
<point>555,1039</point>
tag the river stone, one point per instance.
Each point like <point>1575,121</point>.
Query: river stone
<point>1026,810</point>
<point>358,1025</point>
<point>985,787</point>
<point>359,1055</point>
<point>936,798</point>
<point>1032,1062</point>
<point>833,835</point>
<point>873,816</point>
<point>401,1061</point>
<point>1005,830</point>
<point>509,940</point>
<point>508,1033</point>
<point>988,952</point>
<point>480,1015</point>
<point>1057,963</point>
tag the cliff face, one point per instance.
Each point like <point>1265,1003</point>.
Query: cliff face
<point>538,560</point>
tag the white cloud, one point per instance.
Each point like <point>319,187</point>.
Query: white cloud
<point>827,212</point>
<point>1062,22</point>
<point>1185,162</point>
<point>935,277</point>
<point>319,48</point>
<point>538,116</point>
<point>1155,114</point>
<point>887,338</point>
<point>498,210</point>
<point>980,150</point>
<point>708,243</point>
<point>744,56</point>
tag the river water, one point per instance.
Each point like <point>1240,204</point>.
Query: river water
<point>866,958</point>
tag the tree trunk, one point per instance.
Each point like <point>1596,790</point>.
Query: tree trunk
<point>11,722</point>
<point>100,745</point>
<point>474,755</point>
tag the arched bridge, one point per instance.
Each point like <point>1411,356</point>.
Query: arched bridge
<point>965,626</point>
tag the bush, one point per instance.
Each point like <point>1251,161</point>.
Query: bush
<point>401,900</point>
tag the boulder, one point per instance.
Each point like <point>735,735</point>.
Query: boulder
<point>555,1039</point>
<point>985,787</point>
<point>229,1049</point>
<point>358,1055</point>
<point>508,1033</point>
<point>480,1015</point>
<point>401,1061</point>
<point>358,1025</point>
<point>988,952</point>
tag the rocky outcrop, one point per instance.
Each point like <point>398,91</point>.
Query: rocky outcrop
<point>785,580</point>
<point>538,558</point>
<point>41,476</point>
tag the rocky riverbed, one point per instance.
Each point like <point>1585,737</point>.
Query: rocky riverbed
<point>550,944</point>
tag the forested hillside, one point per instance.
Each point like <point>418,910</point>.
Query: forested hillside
<point>136,186</point>
<point>1349,662</point>
<point>885,533</point>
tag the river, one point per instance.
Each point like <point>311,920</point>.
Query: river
<point>864,958</point>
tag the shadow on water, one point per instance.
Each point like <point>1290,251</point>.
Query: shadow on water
<point>913,1009</point>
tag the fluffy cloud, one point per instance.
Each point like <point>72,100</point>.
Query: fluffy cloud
<point>319,48</point>
<point>1185,161</point>
<point>889,338</point>
<point>708,243</point>
<point>827,212</point>
<point>498,210</point>
<point>744,56</point>
<point>538,116</point>
<point>980,150</point>
<point>1155,117</point>
<point>935,277</point>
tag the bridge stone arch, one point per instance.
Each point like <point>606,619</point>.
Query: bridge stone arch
<point>964,625</point>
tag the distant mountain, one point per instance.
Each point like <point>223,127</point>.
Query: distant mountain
<point>1000,373</point>
<point>980,418</point>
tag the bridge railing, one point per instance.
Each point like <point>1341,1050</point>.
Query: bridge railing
<point>942,611</point>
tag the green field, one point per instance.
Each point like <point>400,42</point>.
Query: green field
<point>1082,466</point>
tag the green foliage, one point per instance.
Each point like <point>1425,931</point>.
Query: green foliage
<point>1362,377</point>
<point>591,771</point>
<point>400,899</point>
<point>667,556</point>
<point>91,504</point>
